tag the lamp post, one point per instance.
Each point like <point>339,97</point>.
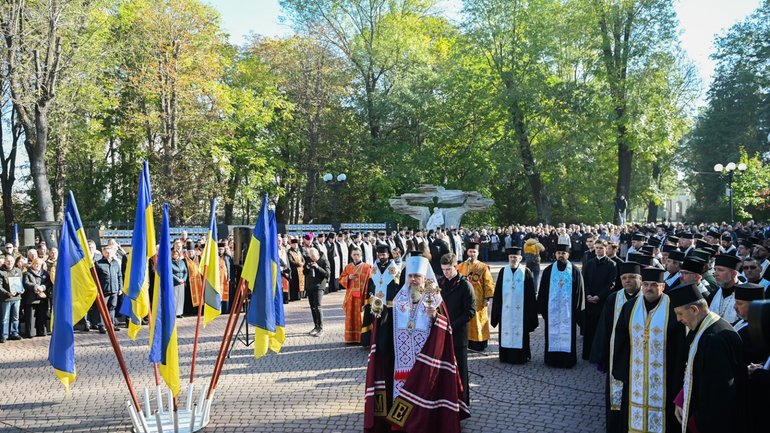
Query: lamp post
<point>729,169</point>
<point>335,185</point>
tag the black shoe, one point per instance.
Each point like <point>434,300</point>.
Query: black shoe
<point>2,339</point>
<point>26,336</point>
<point>14,337</point>
<point>94,327</point>
<point>102,330</point>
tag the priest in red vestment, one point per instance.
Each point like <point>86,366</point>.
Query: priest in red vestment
<point>412,380</point>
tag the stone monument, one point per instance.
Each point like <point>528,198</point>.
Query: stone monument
<point>449,206</point>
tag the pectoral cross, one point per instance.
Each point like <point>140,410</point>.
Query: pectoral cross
<point>561,283</point>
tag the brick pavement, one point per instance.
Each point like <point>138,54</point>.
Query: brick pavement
<point>313,385</point>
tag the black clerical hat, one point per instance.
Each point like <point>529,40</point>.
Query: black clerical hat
<point>294,241</point>
<point>702,254</point>
<point>471,245</point>
<point>513,251</point>
<point>647,249</point>
<point>638,237</point>
<point>685,235</point>
<point>683,295</point>
<point>700,243</point>
<point>383,248</point>
<point>714,233</point>
<point>727,261</point>
<point>629,268</point>
<point>676,255</point>
<point>669,248</point>
<point>726,237</point>
<point>672,239</point>
<point>190,245</point>
<point>749,292</point>
<point>652,274</point>
<point>693,264</point>
<point>562,247</point>
<point>746,244</point>
<point>697,236</point>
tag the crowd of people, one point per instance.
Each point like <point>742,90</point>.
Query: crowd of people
<point>662,311</point>
<point>667,323</point>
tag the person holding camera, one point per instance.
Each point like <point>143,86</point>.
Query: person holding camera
<point>316,271</point>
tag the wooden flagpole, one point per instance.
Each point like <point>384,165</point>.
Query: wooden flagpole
<point>101,304</point>
<point>232,322</point>
<point>201,301</point>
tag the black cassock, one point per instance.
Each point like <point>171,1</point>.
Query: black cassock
<point>457,294</point>
<point>599,276</point>
<point>718,398</point>
<point>600,355</point>
<point>759,401</point>
<point>561,359</point>
<point>676,357</point>
<point>529,322</point>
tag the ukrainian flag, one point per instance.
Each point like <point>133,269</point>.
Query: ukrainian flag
<point>136,304</point>
<point>280,319</point>
<point>86,295</point>
<point>75,292</point>
<point>163,336</point>
<point>261,273</point>
<point>212,292</point>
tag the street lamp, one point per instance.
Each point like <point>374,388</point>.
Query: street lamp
<point>335,185</point>
<point>730,170</point>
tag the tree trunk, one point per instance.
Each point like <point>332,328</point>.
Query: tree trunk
<point>8,175</point>
<point>232,189</point>
<point>36,149</point>
<point>652,207</point>
<point>539,196</point>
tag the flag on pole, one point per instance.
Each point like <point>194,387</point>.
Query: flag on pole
<point>71,208</point>
<point>261,272</point>
<point>75,291</point>
<point>136,304</point>
<point>212,292</point>
<point>276,342</point>
<point>85,296</point>
<point>163,336</point>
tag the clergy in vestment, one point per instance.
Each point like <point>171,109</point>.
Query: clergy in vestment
<point>745,294</point>
<point>722,300</point>
<point>457,293</point>
<point>673,275</point>
<point>412,380</point>
<point>560,300</point>
<point>713,395</point>
<point>599,274</point>
<point>354,278</point>
<point>384,279</point>
<point>603,346</point>
<point>479,275</point>
<point>648,357</point>
<point>195,280</point>
<point>514,309</point>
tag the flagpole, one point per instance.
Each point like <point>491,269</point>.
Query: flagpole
<point>231,324</point>
<point>201,301</point>
<point>107,321</point>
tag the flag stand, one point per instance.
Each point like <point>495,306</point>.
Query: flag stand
<point>187,419</point>
<point>242,336</point>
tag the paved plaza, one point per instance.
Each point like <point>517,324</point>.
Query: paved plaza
<point>313,385</point>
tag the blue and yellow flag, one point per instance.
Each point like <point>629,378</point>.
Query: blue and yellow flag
<point>212,290</point>
<point>276,342</point>
<point>163,336</point>
<point>261,273</point>
<point>136,304</point>
<point>75,291</point>
<point>84,296</point>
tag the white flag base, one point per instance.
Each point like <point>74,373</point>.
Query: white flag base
<point>190,418</point>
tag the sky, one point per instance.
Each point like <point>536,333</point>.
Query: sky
<point>701,21</point>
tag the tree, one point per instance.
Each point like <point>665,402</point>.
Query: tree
<point>41,38</point>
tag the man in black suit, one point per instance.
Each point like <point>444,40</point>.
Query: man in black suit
<point>316,272</point>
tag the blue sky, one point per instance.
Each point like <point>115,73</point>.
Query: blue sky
<point>701,20</point>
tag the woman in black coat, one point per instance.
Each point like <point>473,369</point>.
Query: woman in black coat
<point>37,291</point>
